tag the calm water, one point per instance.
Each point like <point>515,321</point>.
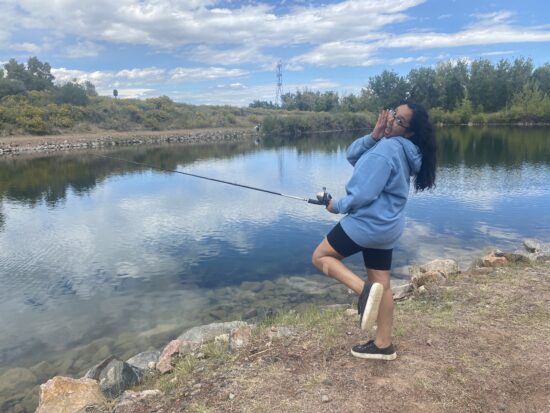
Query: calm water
<point>98,251</point>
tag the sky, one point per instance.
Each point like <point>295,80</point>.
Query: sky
<point>226,51</point>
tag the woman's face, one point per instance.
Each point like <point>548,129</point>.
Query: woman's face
<point>399,121</point>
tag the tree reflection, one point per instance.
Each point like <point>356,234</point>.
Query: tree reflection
<point>48,178</point>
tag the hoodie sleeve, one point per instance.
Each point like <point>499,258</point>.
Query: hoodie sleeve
<point>358,148</point>
<point>367,182</point>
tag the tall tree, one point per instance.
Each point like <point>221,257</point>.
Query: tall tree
<point>385,90</point>
<point>481,85</point>
<point>40,74</point>
<point>452,80</point>
<point>541,75</point>
<point>423,90</point>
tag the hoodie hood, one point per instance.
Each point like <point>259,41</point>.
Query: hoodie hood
<point>412,152</point>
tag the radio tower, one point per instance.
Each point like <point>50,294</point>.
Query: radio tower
<point>279,92</point>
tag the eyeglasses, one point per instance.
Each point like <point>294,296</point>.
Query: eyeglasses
<point>397,119</point>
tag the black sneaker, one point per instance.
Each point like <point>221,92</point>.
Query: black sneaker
<point>371,351</point>
<point>369,303</point>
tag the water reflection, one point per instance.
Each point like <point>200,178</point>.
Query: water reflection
<point>93,250</point>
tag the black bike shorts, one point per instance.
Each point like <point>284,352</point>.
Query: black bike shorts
<point>376,259</point>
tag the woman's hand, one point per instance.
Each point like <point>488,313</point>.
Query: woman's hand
<point>330,208</point>
<point>378,131</point>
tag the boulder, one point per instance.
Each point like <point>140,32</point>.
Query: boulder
<point>15,380</point>
<point>114,376</point>
<point>494,259</point>
<point>200,334</point>
<point>240,337</point>
<point>130,401</point>
<point>172,350</point>
<point>401,291</point>
<point>142,360</point>
<point>532,245</point>
<point>444,267</point>
<point>65,394</point>
<point>423,278</point>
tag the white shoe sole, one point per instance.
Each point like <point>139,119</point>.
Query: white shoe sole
<point>373,304</point>
<point>371,356</point>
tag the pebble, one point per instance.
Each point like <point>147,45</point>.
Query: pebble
<point>231,396</point>
<point>325,398</point>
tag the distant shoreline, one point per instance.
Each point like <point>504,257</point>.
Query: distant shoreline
<point>25,144</point>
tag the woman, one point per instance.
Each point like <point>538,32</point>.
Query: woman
<point>401,145</point>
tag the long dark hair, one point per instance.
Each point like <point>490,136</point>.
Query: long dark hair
<point>423,137</point>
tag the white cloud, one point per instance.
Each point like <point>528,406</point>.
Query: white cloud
<point>201,73</point>
<point>168,24</point>
<point>149,74</point>
<point>83,49</point>
<point>26,47</point>
<point>232,86</point>
<point>245,54</point>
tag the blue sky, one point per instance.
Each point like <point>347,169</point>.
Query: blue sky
<point>225,52</point>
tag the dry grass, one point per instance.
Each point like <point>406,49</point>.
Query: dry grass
<point>477,344</point>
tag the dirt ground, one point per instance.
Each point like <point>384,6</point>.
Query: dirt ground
<point>479,343</point>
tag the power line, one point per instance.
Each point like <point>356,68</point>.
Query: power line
<point>279,91</point>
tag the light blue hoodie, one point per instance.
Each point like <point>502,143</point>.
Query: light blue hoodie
<point>378,190</point>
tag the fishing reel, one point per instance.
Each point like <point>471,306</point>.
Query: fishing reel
<point>323,198</point>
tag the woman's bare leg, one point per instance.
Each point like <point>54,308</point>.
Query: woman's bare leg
<point>329,262</point>
<point>385,311</point>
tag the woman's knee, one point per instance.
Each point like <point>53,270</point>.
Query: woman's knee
<point>380,276</point>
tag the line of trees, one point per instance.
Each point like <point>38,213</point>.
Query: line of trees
<point>456,91</point>
<point>32,102</point>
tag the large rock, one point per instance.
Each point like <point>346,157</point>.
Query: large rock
<point>16,380</point>
<point>114,376</point>
<point>200,334</point>
<point>423,278</point>
<point>401,291</point>
<point>532,245</point>
<point>65,394</point>
<point>173,349</point>
<point>444,267</point>
<point>240,337</point>
<point>435,271</point>
<point>15,385</point>
<point>130,401</point>
<point>143,360</point>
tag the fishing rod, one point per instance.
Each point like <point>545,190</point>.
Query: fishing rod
<point>321,198</point>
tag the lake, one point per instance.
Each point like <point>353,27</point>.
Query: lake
<point>99,256</point>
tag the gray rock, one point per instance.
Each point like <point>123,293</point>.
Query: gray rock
<point>142,360</point>
<point>532,245</point>
<point>445,267</point>
<point>14,380</point>
<point>114,376</point>
<point>240,337</point>
<point>200,334</point>
<point>401,291</point>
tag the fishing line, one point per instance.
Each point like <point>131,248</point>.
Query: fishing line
<point>322,198</point>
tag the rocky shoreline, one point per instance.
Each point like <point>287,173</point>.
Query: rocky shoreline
<point>105,387</point>
<point>35,144</point>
